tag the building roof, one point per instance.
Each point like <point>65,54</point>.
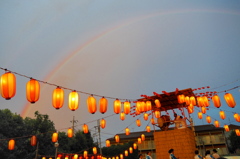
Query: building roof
<point>209,127</point>
<point>232,126</point>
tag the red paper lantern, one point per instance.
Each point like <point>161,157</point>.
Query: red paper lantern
<point>94,150</point>
<point>203,110</point>
<point>200,115</point>
<point>190,109</point>
<point>157,103</point>
<point>122,116</point>
<point>73,101</point>
<point>117,106</point>
<point>103,123</point>
<point>157,114</point>
<point>32,90</point>
<point>126,107</point>
<point>230,100</point>
<point>149,105</point>
<point>236,117</point>
<point>237,132</point>
<point>92,104</point>
<point>58,98</point>
<point>187,100</point>
<point>117,139</point>
<point>8,85</point>
<point>138,122</point>
<point>216,123</point>
<point>226,127</point>
<point>192,100</point>
<point>85,128</point>
<point>148,128</point>
<point>143,106</point>
<point>143,137</point>
<point>103,104</point>
<point>130,150</point>
<point>33,140</point>
<point>145,116</point>
<point>70,132</point>
<point>11,144</point>
<point>222,114</point>
<point>138,106</point>
<point>208,118</point>
<point>107,143</point>
<point>216,101</point>
<point>139,140</point>
<point>85,154</point>
<point>152,121</point>
<point>205,101</point>
<point>181,98</point>
<point>55,137</point>
<point>127,131</point>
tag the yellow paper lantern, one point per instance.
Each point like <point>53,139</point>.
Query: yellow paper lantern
<point>73,101</point>
<point>126,107</point>
<point>216,101</point>
<point>11,144</point>
<point>152,121</point>
<point>58,98</point>
<point>33,140</point>
<point>236,117</point>
<point>92,104</point>
<point>70,132</point>
<point>103,123</point>
<point>138,106</point>
<point>55,137</point>
<point>103,104</point>
<point>8,85</point>
<point>230,100</point>
<point>117,106</point>
<point>32,90</point>
<point>205,101</point>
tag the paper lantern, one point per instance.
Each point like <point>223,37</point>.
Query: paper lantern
<point>190,109</point>
<point>216,101</point>
<point>127,131</point>
<point>143,106</point>
<point>85,128</point>
<point>134,146</point>
<point>236,117</point>
<point>122,116</point>
<point>117,106</point>
<point>8,85</point>
<point>130,150</point>
<point>145,116</point>
<point>157,114</point>
<point>222,114</point>
<point>107,143</point>
<point>32,90</point>
<point>126,152</point>
<point>11,144</point>
<point>73,101</point>
<point>33,140</point>
<point>121,156</point>
<point>92,104</point>
<point>58,98</point>
<point>157,103</point>
<point>187,100</point>
<point>117,139</point>
<point>149,105</point>
<point>139,140</point>
<point>85,154</point>
<point>103,123</point>
<point>126,107</point>
<point>226,127</point>
<point>230,100</point>
<point>94,150</point>
<point>204,110</point>
<point>237,132</point>
<point>152,121</point>
<point>181,98</point>
<point>143,137</point>
<point>138,106</point>
<point>137,112</point>
<point>208,118</point>
<point>70,132</point>
<point>200,115</point>
<point>205,101</point>
<point>55,137</point>
<point>148,128</point>
<point>192,100</point>
<point>43,157</point>
<point>138,122</point>
<point>103,104</point>
<point>216,123</point>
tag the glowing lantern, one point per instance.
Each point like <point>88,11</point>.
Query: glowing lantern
<point>103,123</point>
<point>230,100</point>
<point>103,104</point>
<point>149,105</point>
<point>143,137</point>
<point>138,106</point>
<point>143,106</point>
<point>73,100</point>
<point>216,123</point>
<point>130,150</point>
<point>137,112</point>
<point>126,152</point>
<point>236,117</point>
<point>55,137</point>
<point>200,115</point>
<point>222,114</point>
<point>33,140</point>
<point>181,98</point>
<point>205,101</point>
<point>200,101</point>
<point>58,98</point>
<point>145,116</point>
<point>139,140</point>
<point>237,132</point>
<point>226,127</point>
<point>208,118</point>
<point>75,156</point>
<point>85,154</point>
<point>32,90</point>
<point>121,156</point>
<point>148,128</point>
<point>92,104</point>
<point>203,109</point>
<point>70,132</point>
<point>94,150</point>
<point>127,131</point>
<point>190,109</point>
<point>157,103</point>
<point>117,106</point>
<point>192,100</point>
<point>134,146</point>
<point>43,157</point>
<point>157,114</point>
<point>8,85</point>
<point>107,143</point>
<point>117,138</point>
<point>11,144</point>
<point>122,116</point>
<point>85,128</point>
<point>138,122</point>
<point>216,101</point>
<point>152,121</point>
<point>126,107</point>
<point>187,100</point>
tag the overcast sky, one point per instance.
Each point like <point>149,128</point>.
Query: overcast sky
<point>119,49</point>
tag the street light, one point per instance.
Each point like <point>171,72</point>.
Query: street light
<point>56,144</point>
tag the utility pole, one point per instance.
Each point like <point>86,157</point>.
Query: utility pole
<point>98,125</point>
<point>73,122</point>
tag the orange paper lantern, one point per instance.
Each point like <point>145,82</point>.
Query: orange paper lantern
<point>145,116</point>
<point>237,132</point>
<point>216,101</point>
<point>127,131</point>
<point>32,90</point>
<point>107,143</point>
<point>134,146</point>
<point>187,100</point>
<point>117,139</point>
<point>148,128</point>
<point>138,122</point>
<point>117,106</point>
<point>236,117</point>
<point>157,114</point>
<point>33,140</point>
<point>216,123</point>
<point>149,105</point>
<point>70,132</point>
<point>230,100</point>
<point>122,116</point>
<point>157,103</point>
<point>200,115</point>
<point>138,106</point>
<point>94,150</point>
<point>222,114</point>
<point>126,107</point>
<point>152,121</point>
<point>226,127</point>
<point>92,104</point>
<point>73,101</point>
<point>103,104</point>
<point>55,137</point>
<point>8,85</point>
<point>203,109</point>
<point>205,101</point>
<point>85,128</point>
<point>11,144</point>
<point>58,98</point>
<point>139,140</point>
<point>208,118</point>
<point>181,98</point>
<point>103,123</point>
<point>143,137</point>
<point>85,154</point>
<point>126,152</point>
<point>192,100</point>
<point>130,150</point>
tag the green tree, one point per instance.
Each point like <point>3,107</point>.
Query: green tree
<point>234,141</point>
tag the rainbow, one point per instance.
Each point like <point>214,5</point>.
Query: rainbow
<point>71,55</point>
